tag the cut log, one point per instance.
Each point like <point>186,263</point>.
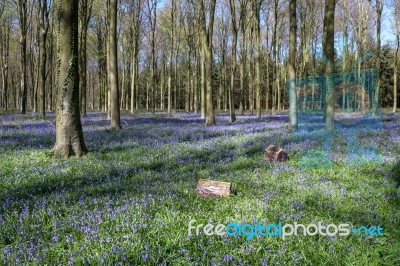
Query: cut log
<point>275,154</point>
<point>213,188</point>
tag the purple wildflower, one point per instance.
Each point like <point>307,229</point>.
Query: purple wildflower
<point>227,258</point>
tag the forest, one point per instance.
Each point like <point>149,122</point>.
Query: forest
<point>164,47</point>
<point>131,131</point>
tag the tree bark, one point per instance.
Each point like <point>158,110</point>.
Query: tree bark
<point>213,188</point>
<point>5,52</point>
<point>292,67</point>
<point>153,20</point>
<point>329,50</point>
<point>256,14</point>
<point>206,39</point>
<point>379,9</point>
<point>113,67</point>
<point>69,136</point>
<point>396,60</point>
<point>171,52</point>
<point>275,64</point>
<point>44,26</point>
<point>162,82</point>
<point>232,5</point>
<point>23,13</point>
<point>85,13</point>
<point>137,20</point>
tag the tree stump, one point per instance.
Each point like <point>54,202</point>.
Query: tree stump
<point>275,154</point>
<point>213,188</point>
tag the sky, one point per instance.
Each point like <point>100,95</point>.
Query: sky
<point>388,34</point>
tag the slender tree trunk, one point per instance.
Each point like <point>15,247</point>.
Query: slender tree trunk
<point>34,68</point>
<point>170,82</point>
<point>256,14</point>
<point>196,86</point>
<point>162,81</point>
<point>210,118</point>
<point>328,48</point>
<point>5,49</point>
<point>176,87</point>
<point>187,95</point>
<point>203,85</point>
<point>137,87</point>
<point>242,71</point>
<point>221,88</point>
<point>22,41</point>
<point>86,8</point>
<point>233,67</point>
<point>379,8</point>
<point>69,136</point>
<point>113,67</point>
<point>43,55</point>
<point>123,92</point>
<point>147,95</point>
<point>171,51</point>
<point>292,66</point>
<point>153,20</point>
<point>52,78</point>
<point>133,79</point>
<point>206,39</point>
<point>275,64</point>
<point>137,20</point>
<point>278,79</point>
<point>395,71</point>
<point>249,64</point>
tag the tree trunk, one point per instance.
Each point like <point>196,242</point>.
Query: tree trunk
<point>278,79</point>
<point>396,60</point>
<point>206,39</point>
<point>162,83</point>
<point>379,8</point>
<point>203,85</point>
<point>5,49</point>
<point>84,22</point>
<point>44,20</point>
<point>233,66</point>
<point>242,72</point>
<point>187,95</point>
<point>329,50</point>
<point>34,68</point>
<point>176,87</point>
<point>52,77</point>
<point>250,76</point>
<point>275,64</point>
<point>137,20</point>
<point>267,92</point>
<point>171,52</point>
<point>170,82</point>
<point>23,13</point>
<point>256,14</point>
<point>153,20</point>
<point>69,136</point>
<point>210,118</point>
<point>133,78</point>
<point>196,86</point>
<point>113,67</point>
<point>292,66</point>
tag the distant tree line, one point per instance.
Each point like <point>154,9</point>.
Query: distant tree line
<point>192,55</point>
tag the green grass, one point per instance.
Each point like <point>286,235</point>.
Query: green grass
<point>132,205</point>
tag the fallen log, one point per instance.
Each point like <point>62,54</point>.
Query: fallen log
<point>275,154</point>
<point>213,188</point>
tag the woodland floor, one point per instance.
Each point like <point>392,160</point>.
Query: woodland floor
<point>130,199</point>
